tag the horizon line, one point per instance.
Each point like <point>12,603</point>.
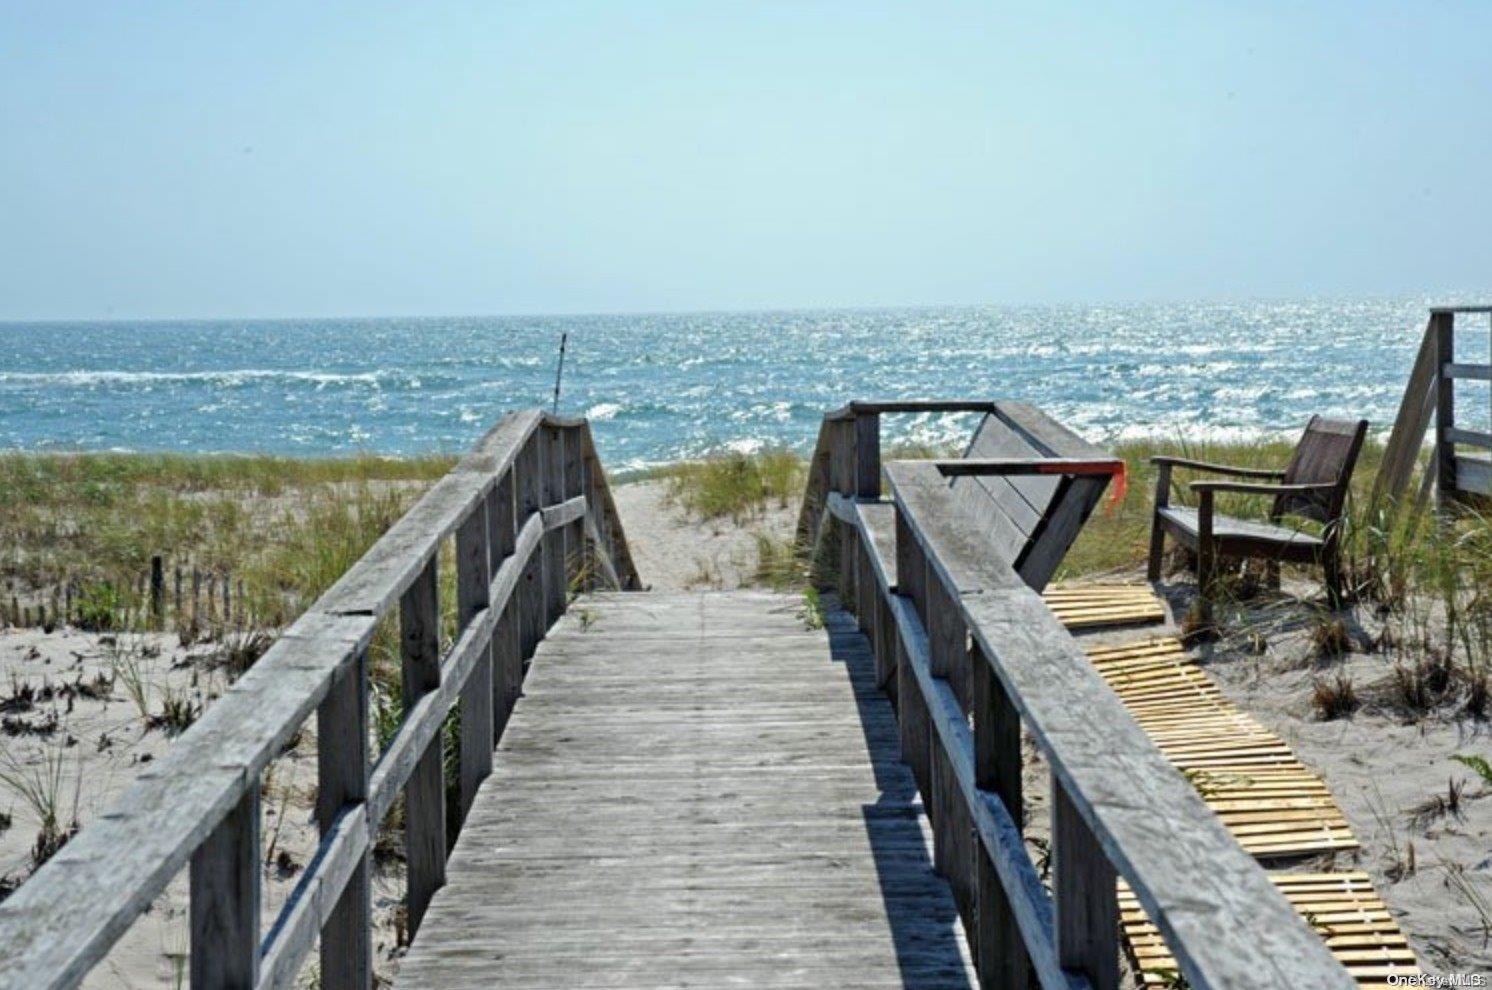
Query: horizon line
<point>1444,297</point>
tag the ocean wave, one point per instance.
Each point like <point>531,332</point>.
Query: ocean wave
<point>232,377</point>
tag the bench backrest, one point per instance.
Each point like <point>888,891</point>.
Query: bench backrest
<point>1326,454</point>
<point>1033,519</point>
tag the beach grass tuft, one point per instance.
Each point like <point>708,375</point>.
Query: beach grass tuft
<point>736,486</point>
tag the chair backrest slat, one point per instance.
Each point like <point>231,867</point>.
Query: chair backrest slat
<point>1032,519</point>
<point>1326,454</point>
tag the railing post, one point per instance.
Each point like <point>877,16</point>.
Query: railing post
<point>342,786</point>
<point>1443,327</point>
<point>507,645</point>
<point>424,794</point>
<point>529,470</point>
<point>1084,895</point>
<point>225,900</point>
<point>554,540</point>
<point>867,455</point>
<point>912,711</point>
<point>473,585</point>
<point>1000,952</point>
<point>574,484</point>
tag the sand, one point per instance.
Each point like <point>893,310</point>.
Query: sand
<point>675,552</point>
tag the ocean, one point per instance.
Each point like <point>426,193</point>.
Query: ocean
<point>663,387</point>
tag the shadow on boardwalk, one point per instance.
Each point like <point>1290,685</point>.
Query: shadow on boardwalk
<point>929,940</point>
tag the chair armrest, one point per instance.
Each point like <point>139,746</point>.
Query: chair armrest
<point>1237,472</point>
<point>1245,488</point>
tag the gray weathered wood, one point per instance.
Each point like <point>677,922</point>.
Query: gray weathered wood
<point>424,792</point>
<point>225,901</point>
<point>998,833</point>
<point>1087,907</point>
<point>314,901</point>
<point>624,843</point>
<point>507,646</point>
<point>1114,776</point>
<point>1471,372</point>
<point>1443,331</point>
<point>1473,476</point>
<point>472,580</point>
<point>58,925</point>
<point>867,455</point>
<point>422,722</point>
<point>529,474</point>
<point>555,551</point>
<point>342,786</point>
<point>1402,449</point>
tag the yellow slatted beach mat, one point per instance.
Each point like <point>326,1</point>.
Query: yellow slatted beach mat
<point>1342,907</point>
<point>1248,776</point>
<point>1091,606</point>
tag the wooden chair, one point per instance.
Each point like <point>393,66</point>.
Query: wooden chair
<point>1312,486</point>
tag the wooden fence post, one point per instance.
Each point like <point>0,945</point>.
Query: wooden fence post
<point>342,786</point>
<point>424,794</point>
<point>507,646</point>
<point>867,455</point>
<point>224,904</point>
<point>1083,892</point>
<point>157,590</point>
<point>1443,327</point>
<point>1000,952</point>
<point>554,540</point>
<point>529,467</point>
<point>574,484</point>
<point>473,580</point>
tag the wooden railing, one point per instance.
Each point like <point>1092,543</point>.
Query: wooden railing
<point>1457,476</point>
<point>972,657</point>
<point>531,514</point>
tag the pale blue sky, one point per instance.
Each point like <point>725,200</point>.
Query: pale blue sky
<point>263,159</point>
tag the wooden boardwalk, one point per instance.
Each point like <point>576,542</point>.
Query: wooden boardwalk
<point>696,790</point>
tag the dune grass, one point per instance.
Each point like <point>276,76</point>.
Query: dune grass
<point>735,486</point>
<point>284,527</point>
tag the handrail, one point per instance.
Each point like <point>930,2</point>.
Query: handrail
<point>853,433</point>
<point>962,634</point>
<point>1457,478</point>
<point>530,511</point>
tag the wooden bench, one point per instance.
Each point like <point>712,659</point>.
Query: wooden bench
<point>1028,479</point>
<point>1313,485</point>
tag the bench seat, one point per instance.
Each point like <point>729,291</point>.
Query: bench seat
<point>1239,536</point>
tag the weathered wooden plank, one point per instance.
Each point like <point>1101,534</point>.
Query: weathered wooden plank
<point>312,904</point>
<point>1474,475</point>
<point>1112,773</point>
<point>555,575</point>
<point>1443,332</point>
<point>224,900</point>
<point>420,729</point>
<point>529,478</point>
<point>1469,438</point>
<point>507,647</point>
<point>424,791</point>
<point>1470,372</point>
<point>341,789</point>
<point>867,455</point>
<point>726,842</point>
<point>473,578</point>
<point>59,925</point>
<point>998,832</point>
<point>1087,909</point>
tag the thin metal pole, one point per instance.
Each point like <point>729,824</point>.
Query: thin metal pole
<point>560,370</point>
